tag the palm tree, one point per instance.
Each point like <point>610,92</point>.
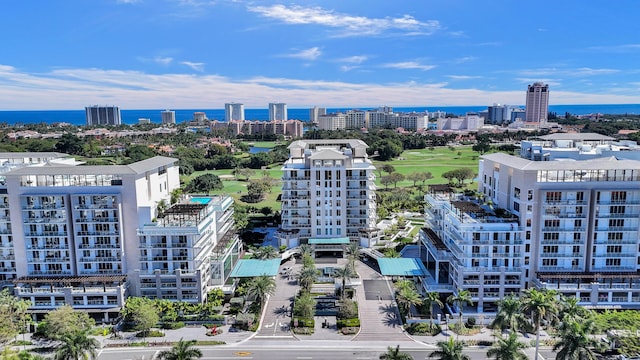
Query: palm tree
<point>265,253</point>
<point>575,342</point>
<point>509,315</point>
<point>352,251</point>
<point>508,349</point>
<point>570,310</point>
<point>395,354</point>
<point>432,298</point>
<point>463,297</point>
<point>541,304</point>
<point>306,249</point>
<point>450,350</point>
<point>182,350</point>
<point>404,284</point>
<point>261,287</point>
<point>407,298</point>
<point>307,276</point>
<point>344,273</point>
<point>77,345</point>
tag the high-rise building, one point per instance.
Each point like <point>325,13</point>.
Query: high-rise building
<point>315,113</point>
<point>233,112</point>
<point>102,115</point>
<point>537,106</point>
<point>89,236</point>
<point>277,111</point>
<point>168,117</point>
<point>328,195</point>
<point>569,226</point>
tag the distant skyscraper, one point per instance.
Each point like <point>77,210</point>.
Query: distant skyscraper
<point>277,111</point>
<point>316,112</point>
<point>537,103</point>
<point>168,117</point>
<point>102,115</point>
<point>233,112</point>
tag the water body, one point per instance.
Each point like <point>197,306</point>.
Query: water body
<point>256,149</point>
<point>77,117</point>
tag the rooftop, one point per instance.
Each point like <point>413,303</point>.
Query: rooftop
<point>253,267</point>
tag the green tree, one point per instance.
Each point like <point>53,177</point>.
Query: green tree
<point>481,147</point>
<point>459,300</point>
<point>64,321</point>
<point>204,184</point>
<point>13,316</point>
<point>266,253</point>
<point>509,315</point>
<point>182,350</point>
<point>540,304</point>
<point>406,298</point>
<point>395,354</point>
<point>307,276</point>
<point>344,273</point>
<point>77,345</point>
<point>569,310</point>
<point>386,149</point>
<point>396,177</point>
<point>70,144</point>
<point>261,287</point>
<point>450,350</point>
<point>575,342</point>
<point>352,251</point>
<point>404,284</point>
<point>139,152</point>
<point>508,349</point>
<point>141,313</point>
<point>432,298</point>
<point>303,305</point>
<point>386,181</point>
<point>388,168</point>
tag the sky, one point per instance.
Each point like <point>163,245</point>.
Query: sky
<point>201,54</point>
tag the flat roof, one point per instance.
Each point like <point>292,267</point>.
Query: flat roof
<point>254,267</point>
<point>401,267</point>
<point>342,240</point>
<point>139,167</point>
<point>603,163</point>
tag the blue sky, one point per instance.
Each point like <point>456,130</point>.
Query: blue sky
<point>150,54</point>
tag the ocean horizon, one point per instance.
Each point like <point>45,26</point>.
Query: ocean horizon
<point>77,117</point>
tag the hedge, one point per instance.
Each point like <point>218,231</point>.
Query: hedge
<point>355,322</point>
<point>304,322</point>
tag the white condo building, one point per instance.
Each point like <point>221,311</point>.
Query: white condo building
<point>87,236</point>
<point>168,117</point>
<point>277,111</point>
<point>328,195</point>
<point>571,226</point>
<point>315,112</point>
<point>233,112</point>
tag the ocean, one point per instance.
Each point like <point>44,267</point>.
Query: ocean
<point>77,117</point>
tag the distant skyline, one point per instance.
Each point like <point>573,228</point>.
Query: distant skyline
<point>180,54</point>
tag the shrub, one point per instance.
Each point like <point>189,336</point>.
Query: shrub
<point>305,322</point>
<point>423,329</point>
<point>150,333</point>
<point>471,322</point>
<point>173,325</point>
<point>348,309</point>
<point>349,330</point>
<point>353,322</point>
<point>303,331</point>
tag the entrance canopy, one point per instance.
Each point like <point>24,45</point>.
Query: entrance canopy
<point>401,267</point>
<point>329,241</point>
<point>254,267</point>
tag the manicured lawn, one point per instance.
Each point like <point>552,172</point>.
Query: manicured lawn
<point>262,144</point>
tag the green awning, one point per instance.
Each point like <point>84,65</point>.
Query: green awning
<point>254,267</point>
<point>401,267</point>
<point>319,241</point>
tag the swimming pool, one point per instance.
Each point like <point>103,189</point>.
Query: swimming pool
<point>200,200</point>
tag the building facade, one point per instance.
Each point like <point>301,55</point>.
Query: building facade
<point>168,117</point>
<point>328,194</point>
<point>537,105</point>
<point>315,112</point>
<point>277,111</point>
<point>102,115</point>
<point>233,112</point>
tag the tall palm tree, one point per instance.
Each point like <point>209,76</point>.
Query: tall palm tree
<point>352,251</point>
<point>307,276</point>
<point>306,249</point>
<point>450,350</point>
<point>407,298</point>
<point>395,354</point>
<point>509,315</point>
<point>344,273</point>
<point>404,284</point>
<point>182,350</point>
<point>508,349</point>
<point>432,298</point>
<point>463,297</point>
<point>540,304</point>
<point>574,341</point>
<point>570,310</point>
<point>77,345</point>
<point>261,287</point>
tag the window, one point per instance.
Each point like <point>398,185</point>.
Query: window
<point>549,262</point>
<point>614,236</point>
<point>616,223</point>
<point>550,249</point>
<point>516,206</point>
<point>580,196</point>
<point>529,195</point>
<point>617,209</point>
<point>516,193</point>
<point>614,249</point>
<point>553,196</point>
<point>618,196</point>
<point>613,262</point>
<point>551,236</point>
<point>552,223</point>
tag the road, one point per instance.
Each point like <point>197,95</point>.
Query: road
<point>275,352</point>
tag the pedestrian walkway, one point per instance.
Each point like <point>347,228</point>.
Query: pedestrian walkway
<point>276,318</point>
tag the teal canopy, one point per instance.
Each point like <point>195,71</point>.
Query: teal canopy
<point>254,267</point>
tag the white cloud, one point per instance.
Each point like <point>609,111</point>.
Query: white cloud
<point>357,59</point>
<point>349,25</point>
<point>127,1</point>
<point>77,88</point>
<point>307,54</point>
<point>197,66</point>
<point>578,72</point>
<point>409,65</point>
<point>463,77</point>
